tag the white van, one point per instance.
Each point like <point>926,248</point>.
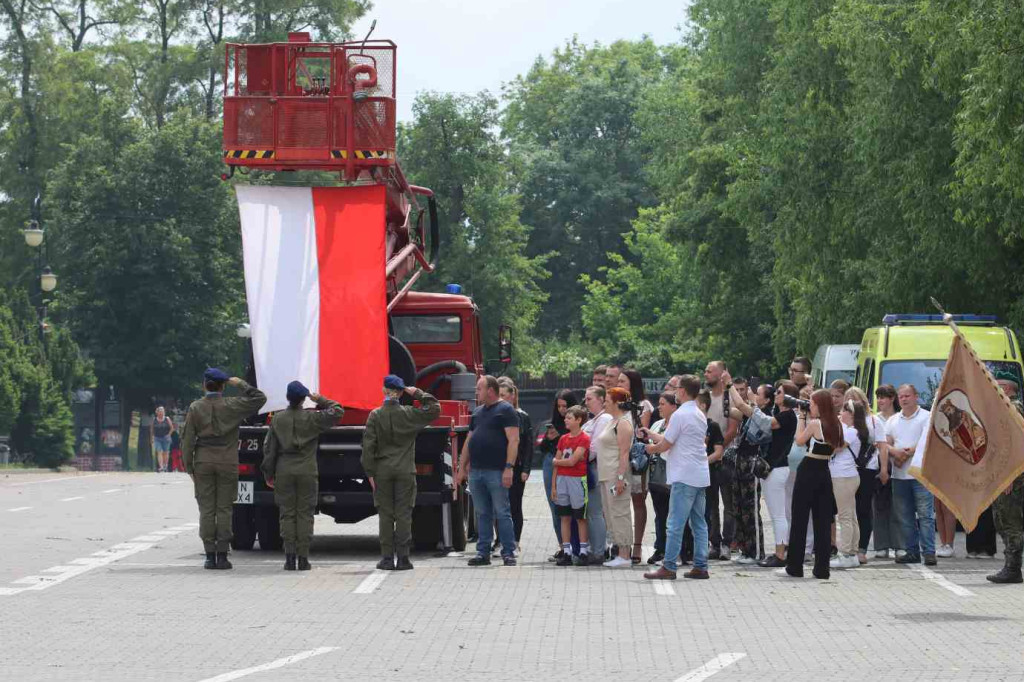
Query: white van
<point>834,362</point>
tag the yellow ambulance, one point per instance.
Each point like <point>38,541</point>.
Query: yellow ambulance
<point>912,349</point>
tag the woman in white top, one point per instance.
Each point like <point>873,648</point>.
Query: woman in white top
<point>870,478</point>
<point>667,405</point>
<point>845,481</point>
<point>612,474</point>
<point>630,380</point>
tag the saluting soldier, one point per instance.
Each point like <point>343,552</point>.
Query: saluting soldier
<point>209,451</point>
<point>389,459</point>
<point>289,467</point>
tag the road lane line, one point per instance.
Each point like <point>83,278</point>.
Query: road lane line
<point>77,567</point>
<point>72,499</point>
<point>663,588</point>
<point>273,665</point>
<point>371,583</point>
<point>942,581</point>
<point>54,480</point>
<point>18,509</point>
<point>112,490</point>
<point>715,665</point>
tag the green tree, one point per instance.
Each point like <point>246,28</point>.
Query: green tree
<point>452,148</point>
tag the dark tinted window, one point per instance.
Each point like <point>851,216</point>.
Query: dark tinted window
<point>926,375</point>
<point>428,328</point>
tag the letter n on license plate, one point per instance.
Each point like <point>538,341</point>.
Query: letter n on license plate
<point>244,492</point>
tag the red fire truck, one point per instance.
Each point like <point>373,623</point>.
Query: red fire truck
<point>302,105</point>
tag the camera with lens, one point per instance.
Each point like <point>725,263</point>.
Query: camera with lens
<point>797,404</point>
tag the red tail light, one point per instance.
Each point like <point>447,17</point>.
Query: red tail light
<point>424,469</point>
<point>246,469</point>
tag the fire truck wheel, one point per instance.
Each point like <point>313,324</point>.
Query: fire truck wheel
<point>243,527</point>
<point>426,527</point>
<point>459,523</point>
<point>401,361</point>
<point>268,528</point>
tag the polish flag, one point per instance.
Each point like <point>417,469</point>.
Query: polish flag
<point>316,291</point>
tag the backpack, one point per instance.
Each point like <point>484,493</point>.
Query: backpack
<point>867,451</point>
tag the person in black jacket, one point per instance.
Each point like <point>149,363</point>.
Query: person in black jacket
<point>508,392</point>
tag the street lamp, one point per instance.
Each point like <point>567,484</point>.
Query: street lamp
<point>47,280</point>
<point>33,235</point>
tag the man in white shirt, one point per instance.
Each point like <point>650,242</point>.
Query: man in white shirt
<point>916,504</point>
<point>594,427</point>
<point>688,476</point>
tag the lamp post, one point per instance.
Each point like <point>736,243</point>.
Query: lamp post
<point>34,238</point>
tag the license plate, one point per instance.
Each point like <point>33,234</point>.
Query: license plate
<point>244,492</point>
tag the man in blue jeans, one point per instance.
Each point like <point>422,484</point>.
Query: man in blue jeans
<point>688,476</point>
<point>907,431</point>
<point>488,458</point>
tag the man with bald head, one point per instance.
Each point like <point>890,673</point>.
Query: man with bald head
<point>720,412</point>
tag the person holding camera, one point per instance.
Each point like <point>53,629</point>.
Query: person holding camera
<point>667,405</point>
<point>640,414</point>
<point>613,475</point>
<point>783,434</point>
<point>755,436</point>
<point>722,524</point>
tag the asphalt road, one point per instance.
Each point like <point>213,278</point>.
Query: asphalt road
<point>101,579</point>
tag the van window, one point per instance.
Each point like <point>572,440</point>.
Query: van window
<point>833,374</point>
<point>869,369</point>
<point>926,375</point>
<point>428,328</point>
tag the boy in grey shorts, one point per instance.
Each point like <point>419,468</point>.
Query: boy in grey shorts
<point>569,485</point>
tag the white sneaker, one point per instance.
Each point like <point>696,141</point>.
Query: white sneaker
<point>852,561</point>
<point>618,562</point>
<point>972,555</point>
<point>882,554</point>
<point>901,553</point>
<point>743,559</point>
<point>944,551</point>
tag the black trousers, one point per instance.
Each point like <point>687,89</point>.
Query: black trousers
<point>865,509</point>
<point>983,538</point>
<point>659,498</point>
<point>515,501</point>
<point>720,531</point>
<point>812,498</point>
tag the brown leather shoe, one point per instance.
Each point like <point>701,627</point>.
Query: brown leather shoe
<point>697,574</point>
<point>661,574</point>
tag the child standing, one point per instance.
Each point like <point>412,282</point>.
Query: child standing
<point>569,485</point>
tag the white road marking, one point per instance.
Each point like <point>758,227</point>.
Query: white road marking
<point>112,490</point>
<point>72,499</point>
<point>273,665</point>
<point>55,480</point>
<point>713,666</point>
<point>17,509</point>
<point>148,538</point>
<point>371,582</point>
<point>941,581</point>
<point>148,485</point>
<point>77,567</point>
<point>664,588</point>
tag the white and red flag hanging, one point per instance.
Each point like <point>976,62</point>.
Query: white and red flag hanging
<point>316,291</point>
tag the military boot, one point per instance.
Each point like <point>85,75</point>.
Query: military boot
<point>386,564</point>
<point>210,562</point>
<point>289,562</point>
<point>304,563</point>
<point>403,564</point>
<point>1009,574</point>
<point>222,561</point>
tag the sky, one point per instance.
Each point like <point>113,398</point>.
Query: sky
<point>465,46</point>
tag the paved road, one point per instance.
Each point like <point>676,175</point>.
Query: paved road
<point>101,579</point>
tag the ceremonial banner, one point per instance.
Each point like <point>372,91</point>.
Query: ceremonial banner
<point>316,292</point>
<point>975,441</point>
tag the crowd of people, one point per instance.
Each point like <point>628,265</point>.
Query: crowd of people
<point>834,473</point>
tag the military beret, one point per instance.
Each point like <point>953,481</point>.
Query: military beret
<point>394,382</point>
<point>296,390</point>
<point>214,374</point>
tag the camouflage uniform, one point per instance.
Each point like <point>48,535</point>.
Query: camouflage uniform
<point>1008,511</point>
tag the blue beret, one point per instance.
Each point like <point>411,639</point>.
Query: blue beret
<point>296,390</point>
<point>394,382</point>
<point>214,374</point>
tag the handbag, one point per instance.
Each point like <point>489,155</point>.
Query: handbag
<point>657,472</point>
<point>638,457</point>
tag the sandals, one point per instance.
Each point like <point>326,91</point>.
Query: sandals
<point>638,552</point>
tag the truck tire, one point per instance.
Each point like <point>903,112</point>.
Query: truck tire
<point>268,528</point>
<point>243,527</point>
<point>459,519</point>
<point>401,362</point>
<point>426,527</point>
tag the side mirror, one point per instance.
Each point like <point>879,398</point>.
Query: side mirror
<point>505,344</point>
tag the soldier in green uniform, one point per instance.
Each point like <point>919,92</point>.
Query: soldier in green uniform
<point>209,451</point>
<point>289,467</point>
<point>389,459</point>
<point>1008,511</point>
